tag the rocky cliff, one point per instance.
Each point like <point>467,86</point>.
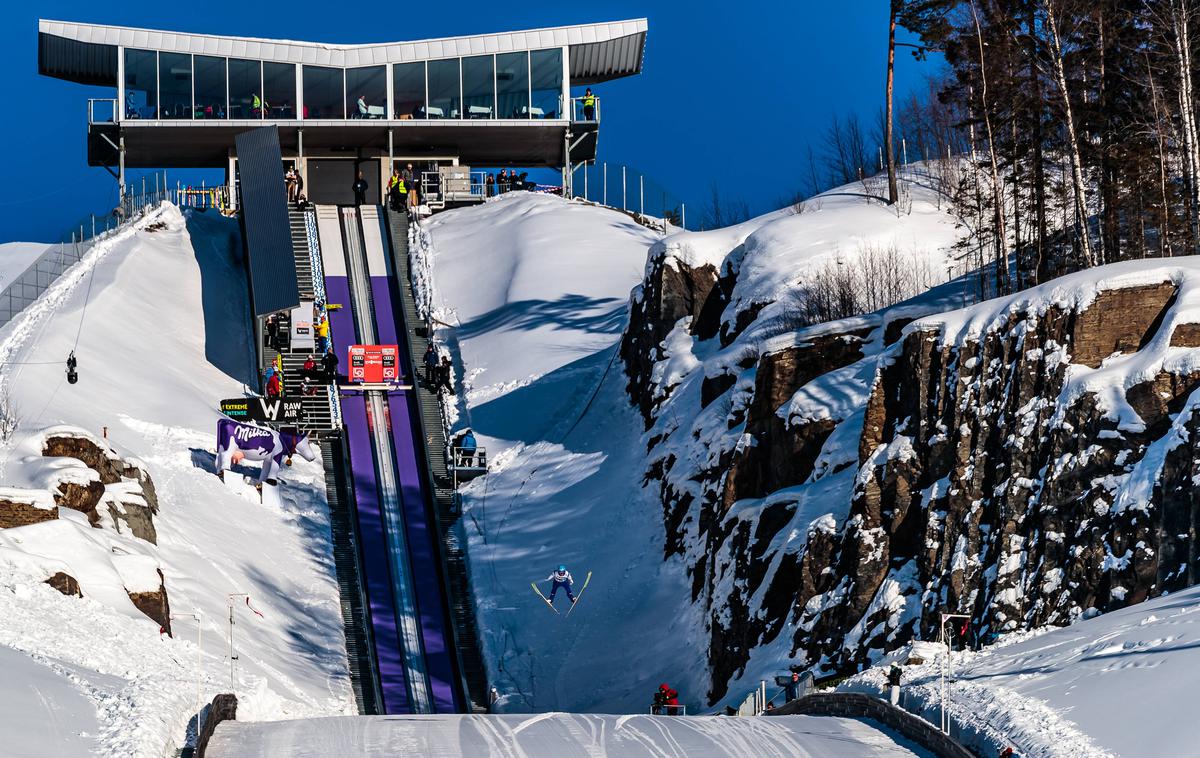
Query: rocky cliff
<point>76,471</point>
<point>832,489</point>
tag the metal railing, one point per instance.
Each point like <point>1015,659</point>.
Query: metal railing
<point>755,703</point>
<point>436,190</point>
<point>203,197</point>
<point>102,110</point>
<point>70,249</point>
<point>474,458</point>
<point>668,710</point>
<point>318,275</point>
<point>625,188</point>
<point>579,110</point>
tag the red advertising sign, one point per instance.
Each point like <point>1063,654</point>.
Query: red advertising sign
<point>374,364</point>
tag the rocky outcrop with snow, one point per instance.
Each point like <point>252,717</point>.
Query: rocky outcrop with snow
<point>715,353</point>
<point>831,488</point>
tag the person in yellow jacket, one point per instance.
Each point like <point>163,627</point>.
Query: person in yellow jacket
<point>323,335</point>
<point>589,105</point>
<point>396,190</point>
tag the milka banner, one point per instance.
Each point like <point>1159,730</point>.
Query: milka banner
<point>238,442</point>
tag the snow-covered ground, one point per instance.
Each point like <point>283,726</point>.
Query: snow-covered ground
<point>1117,684</point>
<point>161,339</point>
<point>560,735</point>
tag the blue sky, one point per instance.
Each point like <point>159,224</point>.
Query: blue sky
<point>732,92</point>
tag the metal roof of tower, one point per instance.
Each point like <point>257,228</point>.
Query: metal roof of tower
<point>86,53</point>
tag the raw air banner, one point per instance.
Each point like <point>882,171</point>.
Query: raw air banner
<point>374,364</point>
<point>263,410</point>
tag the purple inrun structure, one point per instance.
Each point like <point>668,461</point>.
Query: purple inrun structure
<point>372,544</point>
<point>415,497</point>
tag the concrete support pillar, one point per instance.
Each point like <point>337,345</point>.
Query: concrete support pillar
<point>121,165</point>
<point>568,176</point>
<point>301,164</point>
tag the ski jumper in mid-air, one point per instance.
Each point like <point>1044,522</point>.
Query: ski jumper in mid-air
<point>560,577</point>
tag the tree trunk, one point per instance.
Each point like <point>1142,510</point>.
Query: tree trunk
<point>1187,111</point>
<point>1164,229</point>
<point>1040,268</point>
<point>893,190</point>
<point>1110,198</point>
<point>997,186</point>
<point>1081,214</point>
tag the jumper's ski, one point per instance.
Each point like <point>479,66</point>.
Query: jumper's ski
<point>543,597</point>
<point>586,579</point>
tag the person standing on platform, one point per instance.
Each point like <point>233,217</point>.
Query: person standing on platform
<point>410,185</point>
<point>467,446</point>
<point>893,677</point>
<point>589,105</point>
<point>329,365</point>
<point>394,184</point>
<point>273,331</point>
<point>490,183</point>
<point>322,330</point>
<point>431,366</point>
<point>360,189</point>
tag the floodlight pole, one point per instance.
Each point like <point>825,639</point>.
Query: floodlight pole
<point>233,656</point>
<point>943,638</point>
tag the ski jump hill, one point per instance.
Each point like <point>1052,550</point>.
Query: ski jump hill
<point>533,294</point>
<point>157,314</point>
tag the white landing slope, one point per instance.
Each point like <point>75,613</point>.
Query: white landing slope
<point>559,735</point>
<point>538,289</point>
<point>164,338</point>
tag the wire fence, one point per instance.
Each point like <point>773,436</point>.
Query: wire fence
<point>72,245</point>
<point>626,188</point>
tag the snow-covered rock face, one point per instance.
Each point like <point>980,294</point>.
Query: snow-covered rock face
<point>752,424</point>
<point>1026,461</point>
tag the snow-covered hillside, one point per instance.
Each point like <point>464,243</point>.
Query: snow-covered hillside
<point>1117,684</point>
<point>162,337</point>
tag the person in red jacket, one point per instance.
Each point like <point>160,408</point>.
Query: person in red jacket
<point>274,386</point>
<point>310,368</point>
<point>666,700</point>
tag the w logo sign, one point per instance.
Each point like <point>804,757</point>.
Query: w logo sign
<point>270,409</point>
